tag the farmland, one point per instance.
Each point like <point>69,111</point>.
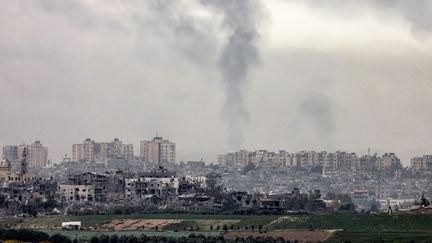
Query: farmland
<point>353,227</point>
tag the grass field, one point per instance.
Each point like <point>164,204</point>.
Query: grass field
<point>89,234</point>
<point>355,227</point>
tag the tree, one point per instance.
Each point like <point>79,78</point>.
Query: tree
<point>347,207</point>
<point>213,185</point>
<point>58,238</point>
<point>50,203</point>
<point>2,201</point>
<point>104,239</point>
<point>114,238</point>
<point>424,201</point>
<point>25,235</point>
<point>229,204</point>
<point>94,239</point>
<point>280,239</point>
<point>374,208</point>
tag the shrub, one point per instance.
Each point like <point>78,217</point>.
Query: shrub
<point>58,238</point>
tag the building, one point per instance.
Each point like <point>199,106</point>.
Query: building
<point>77,193</point>
<point>389,160</point>
<point>422,163</point>
<point>10,152</point>
<point>106,185</point>
<point>90,151</point>
<point>161,183</point>
<point>37,155</point>
<point>77,152</point>
<point>368,162</point>
<point>7,176</point>
<point>418,163</point>
<point>158,150</point>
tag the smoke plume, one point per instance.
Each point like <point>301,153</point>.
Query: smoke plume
<point>239,55</point>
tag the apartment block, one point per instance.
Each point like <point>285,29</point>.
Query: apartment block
<point>91,151</point>
<point>158,150</point>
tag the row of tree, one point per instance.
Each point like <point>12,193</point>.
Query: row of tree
<point>26,235</point>
<point>192,238</point>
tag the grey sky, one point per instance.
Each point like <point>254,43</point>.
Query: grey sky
<point>332,76</point>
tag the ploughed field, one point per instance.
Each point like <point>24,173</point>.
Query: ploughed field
<point>333,227</point>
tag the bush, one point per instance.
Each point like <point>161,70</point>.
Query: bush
<point>94,239</point>
<point>114,238</point>
<point>24,235</point>
<point>58,238</point>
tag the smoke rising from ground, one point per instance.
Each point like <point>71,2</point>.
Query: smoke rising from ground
<point>239,55</point>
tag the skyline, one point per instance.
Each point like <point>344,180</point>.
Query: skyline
<point>136,151</point>
<point>331,77</point>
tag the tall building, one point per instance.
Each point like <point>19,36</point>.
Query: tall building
<point>388,160</point>
<point>77,152</point>
<point>418,163</point>
<point>422,163</point>
<point>158,150</point>
<point>37,154</point>
<point>90,151</point>
<point>10,152</point>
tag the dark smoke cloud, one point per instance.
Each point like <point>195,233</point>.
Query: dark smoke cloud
<point>239,55</point>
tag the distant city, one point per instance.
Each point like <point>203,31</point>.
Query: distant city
<point>102,172</point>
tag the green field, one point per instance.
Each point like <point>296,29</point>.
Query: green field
<point>89,234</point>
<point>354,227</point>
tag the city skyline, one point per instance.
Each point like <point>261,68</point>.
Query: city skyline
<point>159,151</point>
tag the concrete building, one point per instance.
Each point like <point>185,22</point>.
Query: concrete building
<point>10,152</point>
<point>388,160</point>
<point>77,152</point>
<point>161,183</point>
<point>37,155</point>
<point>422,163</point>
<point>239,159</point>
<point>7,176</point>
<point>76,193</point>
<point>158,150</point>
<point>418,163</point>
<point>90,151</point>
<point>368,162</point>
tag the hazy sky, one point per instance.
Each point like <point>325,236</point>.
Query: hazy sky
<point>329,75</point>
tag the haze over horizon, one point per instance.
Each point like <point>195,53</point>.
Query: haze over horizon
<point>323,76</point>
